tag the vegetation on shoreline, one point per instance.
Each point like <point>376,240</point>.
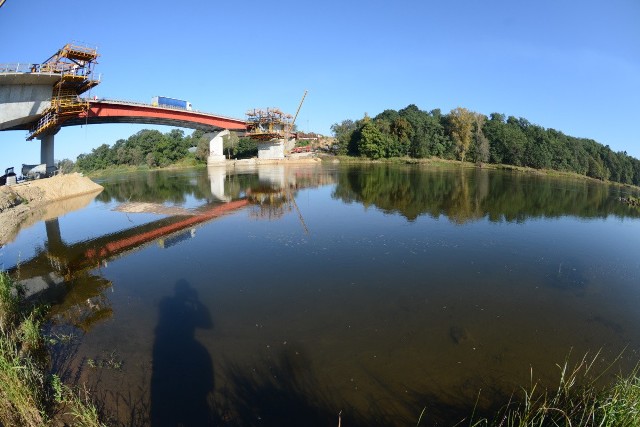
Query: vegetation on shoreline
<point>576,401</point>
<point>465,135</point>
<point>29,394</point>
<point>153,149</point>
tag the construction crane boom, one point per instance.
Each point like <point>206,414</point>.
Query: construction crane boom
<point>299,107</point>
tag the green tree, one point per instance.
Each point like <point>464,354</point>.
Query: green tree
<point>230,143</point>
<point>343,132</point>
<point>65,165</point>
<point>372,142</point>
<point>461,121</point>
<point>480,141</point>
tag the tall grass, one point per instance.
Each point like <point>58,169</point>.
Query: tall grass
<point>28,395</point>
<point>22,383</point>
<point>576,401</point>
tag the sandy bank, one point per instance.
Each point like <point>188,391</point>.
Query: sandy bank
<point>293,159</point>
<point>27,203</point>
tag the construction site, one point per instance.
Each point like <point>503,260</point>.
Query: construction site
<point>74,64</point>
<point>271,123</point>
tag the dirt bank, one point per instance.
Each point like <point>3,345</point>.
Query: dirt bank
<point>29,202</point>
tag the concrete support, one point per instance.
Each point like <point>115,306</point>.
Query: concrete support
<point>271,150</point>
<point>23,98</point>
<point>216,153</point>
<point>289,144</point>
<point>46,151</point>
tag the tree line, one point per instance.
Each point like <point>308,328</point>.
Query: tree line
<point>469,136</point>
<point>153,148</point>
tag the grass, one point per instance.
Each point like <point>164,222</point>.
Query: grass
<point>29,396</point>
<point>576,401</point>
<point>186,163</point>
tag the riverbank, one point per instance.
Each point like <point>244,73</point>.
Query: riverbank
<point>30,201</point>
<point>31,395</point>
<point>117,170</point>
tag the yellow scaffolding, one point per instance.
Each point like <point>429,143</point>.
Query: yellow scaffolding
<point>74,63</point>
<point>272,123</point>
<point>268,124</point>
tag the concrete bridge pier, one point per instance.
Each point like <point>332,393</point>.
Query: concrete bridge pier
<point>216,150</point>
<point>271,150</point>
<point>46,151</point>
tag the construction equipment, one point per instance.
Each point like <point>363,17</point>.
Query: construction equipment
<point>272,123</point>
<point>34,171</point>
<point>299,107</point>
<point>74,64</point>
<point>9,177</point>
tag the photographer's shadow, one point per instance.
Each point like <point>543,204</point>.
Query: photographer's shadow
<point>182,375</point>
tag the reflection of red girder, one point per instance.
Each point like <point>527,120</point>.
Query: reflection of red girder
<point>102,111</point>
<point>118,246</point>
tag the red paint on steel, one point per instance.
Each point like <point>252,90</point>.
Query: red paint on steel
<point>116,109</point>
<point>134,241</point>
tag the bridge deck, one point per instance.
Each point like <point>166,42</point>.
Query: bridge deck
<point>113,111</point>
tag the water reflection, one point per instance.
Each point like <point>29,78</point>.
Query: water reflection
<point>376,315</point>
<point>268,190</point>
<point>182,375</point>
<point>45,213</point>
<point>465,195</point>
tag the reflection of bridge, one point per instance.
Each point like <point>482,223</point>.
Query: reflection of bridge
<point>66,272</point>
<point>70,260</point>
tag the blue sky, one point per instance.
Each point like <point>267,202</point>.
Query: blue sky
<point>569,65</point>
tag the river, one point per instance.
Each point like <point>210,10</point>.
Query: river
<point>285,295</point>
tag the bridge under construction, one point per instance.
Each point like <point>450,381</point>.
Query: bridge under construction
<point>43,98</point>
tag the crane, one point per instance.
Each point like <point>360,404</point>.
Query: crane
<point>299,107</point>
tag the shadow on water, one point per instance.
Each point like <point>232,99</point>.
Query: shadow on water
<point>277,392</point>
<point>284,391</point>
<point>182,374</point>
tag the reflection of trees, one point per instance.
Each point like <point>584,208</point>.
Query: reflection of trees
<point>467,194</point>
<point>155,186</point>
<point>269,203</point>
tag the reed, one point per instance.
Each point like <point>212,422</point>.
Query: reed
<point>576,401</point>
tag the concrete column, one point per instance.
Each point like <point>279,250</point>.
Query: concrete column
<point>289,144</point>
<point>46,150</point>
<point>216,153</point>
<point>271,150</point>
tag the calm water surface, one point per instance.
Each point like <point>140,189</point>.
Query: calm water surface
<point>284,295</point>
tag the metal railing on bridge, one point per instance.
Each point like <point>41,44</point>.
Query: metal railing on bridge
<point>18,68</point>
